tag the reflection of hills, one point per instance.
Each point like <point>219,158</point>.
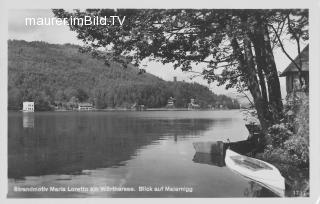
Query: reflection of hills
<point>68,143</point>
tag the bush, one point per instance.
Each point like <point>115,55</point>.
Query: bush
<point>279,133</point>
<point>290,141</point>
<point>297,150</point>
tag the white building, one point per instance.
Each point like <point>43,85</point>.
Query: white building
<point>28,106</point>
<point>193,105</point>
<point>85,106</point>
<point>170,103</point>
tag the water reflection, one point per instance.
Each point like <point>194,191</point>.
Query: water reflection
<point>210,159</point>
<point>256,190</point>
<point>70,143</point>
<point>28,120</point>
<point>128,149</point>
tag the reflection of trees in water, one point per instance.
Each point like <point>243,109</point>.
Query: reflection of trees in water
<point>67,143</point>
<point>255,190</point>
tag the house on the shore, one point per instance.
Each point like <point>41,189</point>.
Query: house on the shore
<point>193,105</point>
<point>28,106</point>
<point>292,72</point>
<point>170,102</point>
<point>85,106</point>
<point>138,107</point>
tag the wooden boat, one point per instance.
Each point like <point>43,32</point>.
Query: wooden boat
<point>256,170</point>
<point>209,147</point>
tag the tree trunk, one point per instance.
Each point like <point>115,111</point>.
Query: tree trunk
<point>268,65</point>
<point>246,66</point>
<point>260,64</point>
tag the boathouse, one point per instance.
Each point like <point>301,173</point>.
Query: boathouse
<point>85,106</point>
<point>292,72</point>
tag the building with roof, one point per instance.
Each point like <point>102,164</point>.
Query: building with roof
<point>85,106</point>
<point>28,106</point>
<point>170,102</point>
<point>292,72</point>
<point>193,105</point>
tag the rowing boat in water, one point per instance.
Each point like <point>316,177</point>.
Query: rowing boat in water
<point>256,170</point>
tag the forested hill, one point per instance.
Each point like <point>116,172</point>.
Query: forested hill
<point>49,74</point>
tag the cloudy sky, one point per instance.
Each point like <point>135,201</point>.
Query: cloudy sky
<point>61,34</point>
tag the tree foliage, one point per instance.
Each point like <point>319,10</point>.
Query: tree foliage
<point>58,74</point>
<point>234,47</point>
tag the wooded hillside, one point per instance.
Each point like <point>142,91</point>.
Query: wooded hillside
<point>49,74</point>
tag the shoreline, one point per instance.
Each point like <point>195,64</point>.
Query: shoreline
<point>128,110</point>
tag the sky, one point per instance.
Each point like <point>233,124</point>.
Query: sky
<point>61,34</point>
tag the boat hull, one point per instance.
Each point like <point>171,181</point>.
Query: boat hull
<point>256,170</point>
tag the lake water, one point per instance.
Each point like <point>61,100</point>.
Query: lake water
<point>116,154</point>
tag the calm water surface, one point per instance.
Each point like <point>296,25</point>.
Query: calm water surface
<point>124,149</point>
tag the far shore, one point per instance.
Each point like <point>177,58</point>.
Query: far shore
<point>125,109</point>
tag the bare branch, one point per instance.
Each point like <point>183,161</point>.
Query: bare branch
<point>240,90</point>
<point>283,49</point>
<point>296,37</point>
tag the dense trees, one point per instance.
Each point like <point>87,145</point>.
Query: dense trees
<point>58,74</point>
<point>233,46</point>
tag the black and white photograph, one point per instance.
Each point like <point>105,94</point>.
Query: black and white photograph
<point>159,102</point>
